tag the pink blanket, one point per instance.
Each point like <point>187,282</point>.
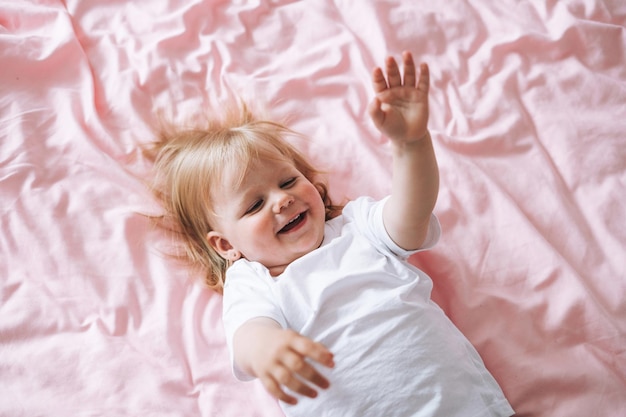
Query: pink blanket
<point>528,107</point>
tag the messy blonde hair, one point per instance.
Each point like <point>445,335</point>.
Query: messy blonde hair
<point>189,162</point>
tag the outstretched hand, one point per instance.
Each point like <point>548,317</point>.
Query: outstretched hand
<point>282,359</point>
<point>400,108</point>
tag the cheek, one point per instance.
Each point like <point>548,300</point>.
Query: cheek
<point>313,195</point>
<point>254,226</point>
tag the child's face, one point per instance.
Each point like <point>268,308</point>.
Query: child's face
<point>274,217</point>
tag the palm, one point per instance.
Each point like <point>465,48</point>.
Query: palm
<point>400,109</point>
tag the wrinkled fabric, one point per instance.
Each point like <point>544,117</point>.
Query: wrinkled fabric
<point>527,105</point>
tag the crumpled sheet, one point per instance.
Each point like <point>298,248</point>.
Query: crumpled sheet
<point>528,115</point>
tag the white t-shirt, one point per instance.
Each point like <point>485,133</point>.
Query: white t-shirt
<point>396,353</point>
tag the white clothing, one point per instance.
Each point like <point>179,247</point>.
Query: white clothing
<point>396,353</point>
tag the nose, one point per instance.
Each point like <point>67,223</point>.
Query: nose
<point>282,200</point>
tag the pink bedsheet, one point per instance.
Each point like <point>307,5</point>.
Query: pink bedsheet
<point>528,111</point>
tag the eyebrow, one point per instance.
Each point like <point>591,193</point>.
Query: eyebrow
<point>242,197</point>
<point>246,193</point>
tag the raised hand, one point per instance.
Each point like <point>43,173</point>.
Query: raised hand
<point>400,108</point>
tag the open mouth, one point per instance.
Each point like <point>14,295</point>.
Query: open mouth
<point>295,222</point>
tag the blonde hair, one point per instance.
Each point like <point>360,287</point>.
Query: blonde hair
<point>190,162</point>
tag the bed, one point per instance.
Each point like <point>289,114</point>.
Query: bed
<point>528,117</point>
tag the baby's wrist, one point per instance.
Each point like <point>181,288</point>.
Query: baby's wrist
<point>423,137</point>
<point>408,144</point>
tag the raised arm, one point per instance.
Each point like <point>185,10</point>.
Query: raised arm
<point>400,112</point>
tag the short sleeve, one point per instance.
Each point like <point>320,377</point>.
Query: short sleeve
<point>368,215</point>
<point>246,296</point>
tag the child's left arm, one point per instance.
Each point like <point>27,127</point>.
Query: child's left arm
<point>400,111</point>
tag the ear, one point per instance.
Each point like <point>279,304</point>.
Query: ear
<point>222,246</point>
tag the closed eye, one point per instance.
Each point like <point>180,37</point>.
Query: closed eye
<point>254,207</point>
<point>289,183</point>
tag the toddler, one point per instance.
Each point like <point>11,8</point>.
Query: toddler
<point>320,302</point>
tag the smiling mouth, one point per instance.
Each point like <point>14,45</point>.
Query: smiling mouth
<point>295,222</point>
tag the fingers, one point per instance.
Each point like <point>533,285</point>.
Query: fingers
<point>293,371</point>
<point>285,378</point>
<point>307,372</point>
<point>316,351</point>
<point>409,69</point>
<point>275,391</point>
<point>294,375</point>
<point>424,80</point>
<point>394,78</point>
<point>378,80</point>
